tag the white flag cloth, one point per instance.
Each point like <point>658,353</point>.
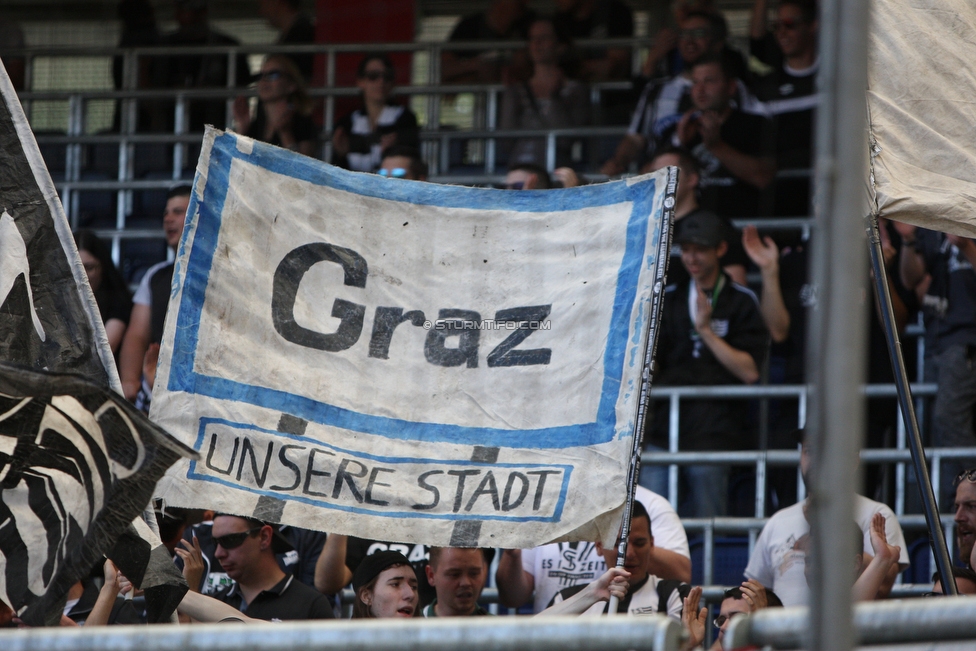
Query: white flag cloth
<point>922,108</point>
<point>408,361</point>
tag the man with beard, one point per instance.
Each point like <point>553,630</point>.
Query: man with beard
<point>458,576</point>
<point>965,505</point>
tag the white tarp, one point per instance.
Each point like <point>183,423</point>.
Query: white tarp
<point>407,361</point>
<point>922,112</point>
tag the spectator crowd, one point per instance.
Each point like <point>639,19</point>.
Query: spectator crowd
<point>739,127</point>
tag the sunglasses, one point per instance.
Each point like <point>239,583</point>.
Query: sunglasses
<point>235,540</point>
<point>395,173</point>
<point>789,24</point>
<point>376,75</point>
<point>271,75</point>
<point>968,475</point>
<point>719,621</point>
<point>518,185</point>
<point>698,32</point>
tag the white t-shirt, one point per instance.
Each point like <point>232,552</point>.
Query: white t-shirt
<point>779,558</point>
<point>643,602</point>
<point>560,565</point>
<point>143,295</point>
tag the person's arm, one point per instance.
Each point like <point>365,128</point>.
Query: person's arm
<point>207,609</point>
<point>515,585</point>
<point>872,580</point>
<point>613,582</point>
<point>133,352</point>
<point>754,170</point>
<point>628,149</point>
<point>115,330</point>
<point>765,255</point>
<point>664,42</point>
<point>757,20</point>
<point>331,573</point>
<point>738,362</point>
<point>667,564</point>
<point>102,609</point>
<point>911,266</point>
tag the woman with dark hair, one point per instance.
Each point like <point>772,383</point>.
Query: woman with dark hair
<point>360,137</point>
<point>548,100</point>
<point>111,293</point>
<point>284,110</point>
<point>385,586</point>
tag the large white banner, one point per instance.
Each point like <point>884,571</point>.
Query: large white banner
<point>921,84</point>
<point>408,361</point>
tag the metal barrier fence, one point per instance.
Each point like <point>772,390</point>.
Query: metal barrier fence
<point>875,623</point>
<point>650,632</point>
<point>120,175</point>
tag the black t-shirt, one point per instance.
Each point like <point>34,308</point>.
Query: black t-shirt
<point>359,548</point>
<point>301,32</point>
<point>609,19</point>
<point>684,360</point>
<point>476,28</point>
<point>797,297</point>
<point>721,191</point>
<point>289,599</point>
<point>950,301</point>
<point>114,304</point>
<point>735,255</point>
<point>303,128</point>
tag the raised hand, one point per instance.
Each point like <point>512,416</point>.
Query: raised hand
<point>764,253</point>
<point>694,618</point>
<point>754,594</point>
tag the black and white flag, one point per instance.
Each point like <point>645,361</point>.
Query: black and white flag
<point>77,465</point>
<point>48,316</point>
<point>49,322</point>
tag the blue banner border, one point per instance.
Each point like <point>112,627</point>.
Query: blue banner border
<point>555,517</point>
<point>204,219</point>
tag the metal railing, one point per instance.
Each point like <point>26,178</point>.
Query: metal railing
<point>875,623</point>
<point>650,632</point>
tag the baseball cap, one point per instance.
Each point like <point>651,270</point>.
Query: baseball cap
<point>372,565</point>
<point>704,228</point>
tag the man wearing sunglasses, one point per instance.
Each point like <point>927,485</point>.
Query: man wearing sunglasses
<point>789,92</point>
<point>246,549</point>
<point>401,162</point>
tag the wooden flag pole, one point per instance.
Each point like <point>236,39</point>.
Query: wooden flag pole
<point>664,257</point>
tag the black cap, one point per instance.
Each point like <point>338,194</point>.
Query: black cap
<point>704,228</point>
<point>372,565</point>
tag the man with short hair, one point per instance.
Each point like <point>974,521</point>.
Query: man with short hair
<point>778,560</point>
<point>540,573</point>
<point>662,102</point>
<point>246,549</point>
<point>711,334</point>
<point>403,162</point>
<point>943,266</point>
<point>646,593</point>
<point>149,306</point>
<point>965,506</point>
<point>734,149</point>
<point>458,576</point>
<point>789,92</point>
